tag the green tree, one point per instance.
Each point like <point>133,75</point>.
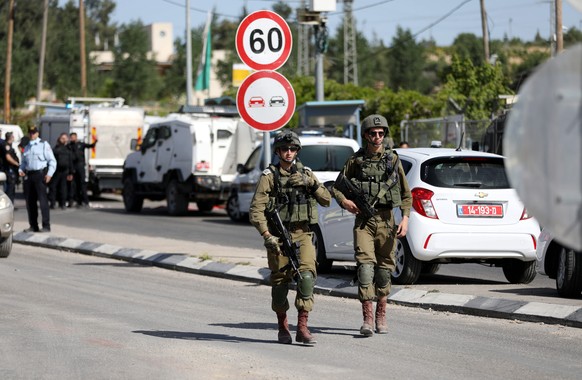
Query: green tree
<point>135,75</point>
<point>469,46</point>
<point>406,62</point>
<point>25,49</point>
<point>475,88</point>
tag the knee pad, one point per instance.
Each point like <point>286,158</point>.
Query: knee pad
<point>305,285</point>
<point>382,277</point>
<point>365,274</point>
<point>279,295</point>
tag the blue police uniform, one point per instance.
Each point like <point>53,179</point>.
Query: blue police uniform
<point>38,161</point>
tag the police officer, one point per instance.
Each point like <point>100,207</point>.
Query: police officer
<point>377,171</point>
<point>38,165</point>
<point>80,184</point>
<point>295,191</point>
<point>63,174</point>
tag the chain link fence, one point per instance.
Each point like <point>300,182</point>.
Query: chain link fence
<point>447,132</point>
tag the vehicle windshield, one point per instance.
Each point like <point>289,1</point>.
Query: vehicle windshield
<point>323,158</point>
<point>469,172</point>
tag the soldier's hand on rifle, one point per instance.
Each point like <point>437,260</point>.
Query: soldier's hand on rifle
<point>272,243</point>
<point>350,206</point>
<point>301,179</point>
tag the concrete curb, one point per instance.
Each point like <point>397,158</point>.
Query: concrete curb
<point>327,285</point>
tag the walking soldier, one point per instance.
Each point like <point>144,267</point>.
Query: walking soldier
<point>376,172</point>
<point>294,191</point>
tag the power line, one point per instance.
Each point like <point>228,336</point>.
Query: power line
<point>441,19</point>
<point>363,7</point>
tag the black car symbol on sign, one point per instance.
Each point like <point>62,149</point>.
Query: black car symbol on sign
<point>277,101</point>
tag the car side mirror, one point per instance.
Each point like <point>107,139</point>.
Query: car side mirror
<point>133,144</point>
<point>240,169</point>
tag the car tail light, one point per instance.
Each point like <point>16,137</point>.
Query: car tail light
<point>421,202</point>
<point>525,215</point>
<point>202,166</point>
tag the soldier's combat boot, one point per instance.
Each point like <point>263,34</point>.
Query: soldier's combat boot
<point>367,328</point>
<point>381,326</point>
<point>303,334</point>
<point>284,336</point>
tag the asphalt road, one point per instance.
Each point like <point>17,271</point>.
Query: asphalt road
<point>70,316</point>
<point>108,215</point>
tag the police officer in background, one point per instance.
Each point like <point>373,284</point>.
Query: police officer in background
<point>63,174</point>
<point>79,191</point>
<point>294,189</point>
<point>376,170</point>
<point>38,166</point>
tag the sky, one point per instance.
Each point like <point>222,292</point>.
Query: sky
<point>442,20</point>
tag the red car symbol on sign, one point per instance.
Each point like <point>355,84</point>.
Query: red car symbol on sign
<point>256,101</point>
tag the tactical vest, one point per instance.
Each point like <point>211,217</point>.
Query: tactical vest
<point>295,204</point>
<point>378,178</point>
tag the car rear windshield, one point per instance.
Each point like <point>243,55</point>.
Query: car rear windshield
<point>322,158</point>
<point>471,172</point>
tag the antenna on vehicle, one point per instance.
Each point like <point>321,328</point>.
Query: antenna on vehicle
<point>460,141</point>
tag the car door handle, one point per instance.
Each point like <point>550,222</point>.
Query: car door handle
<point>167,149</point>
<point>153,150</point>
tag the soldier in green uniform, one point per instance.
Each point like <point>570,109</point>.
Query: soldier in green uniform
<point>376,170</point>
<point>294,189</point>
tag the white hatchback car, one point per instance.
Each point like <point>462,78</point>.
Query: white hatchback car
<point>325,156</point>
<point>561,263</point>
<point>464,211</point>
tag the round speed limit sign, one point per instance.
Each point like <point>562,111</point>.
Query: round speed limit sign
<point>263,40</point>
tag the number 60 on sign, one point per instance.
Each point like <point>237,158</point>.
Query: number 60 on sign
<point>263,40</point>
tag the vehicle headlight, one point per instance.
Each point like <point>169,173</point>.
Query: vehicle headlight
<point>209,182</point>
<point>4,202</point>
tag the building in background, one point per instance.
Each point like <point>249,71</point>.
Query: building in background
<point>161,48</point>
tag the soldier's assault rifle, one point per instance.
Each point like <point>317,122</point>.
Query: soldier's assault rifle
<point>289,248</point>
<point>356,195</point>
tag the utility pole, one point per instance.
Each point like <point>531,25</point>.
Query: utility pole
<point>302,45</point>
<point>188,56</point>
<point>42,52</point>
<point>8,62</point>
<point>559,32</point>
<point>320,50</point>
<point>350,52</point>
<point>485,31</point>
<point>82,44</point>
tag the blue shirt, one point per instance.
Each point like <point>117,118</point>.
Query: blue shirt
<point>37,156</point>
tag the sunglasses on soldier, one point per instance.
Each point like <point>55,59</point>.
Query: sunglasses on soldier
<point>292,148</point>
<point>374,133</point>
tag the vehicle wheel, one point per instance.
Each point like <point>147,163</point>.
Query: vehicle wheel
<point>408,267</point>
<point>430,268</point>
<point>233,209</point>
<point>205,206</point>
<point>131,201</point>
<point>519,272</point>
<point>323,263</point>
<point>569,274</point>
<point>176,200</point>
<point>6,246</point>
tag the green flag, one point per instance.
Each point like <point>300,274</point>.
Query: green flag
<point>203,74</point>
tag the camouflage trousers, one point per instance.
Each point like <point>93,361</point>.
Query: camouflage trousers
<point>374,246</point>
<point>280,279</point>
